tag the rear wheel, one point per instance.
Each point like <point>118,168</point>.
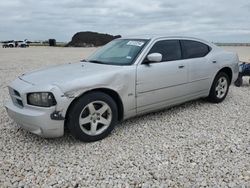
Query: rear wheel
<point>219,89</point>
<point>92,117</point>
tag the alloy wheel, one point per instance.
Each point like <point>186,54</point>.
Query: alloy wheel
<point>221,87</point>
<point>95,118</point>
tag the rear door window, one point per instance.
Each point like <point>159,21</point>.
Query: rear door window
<point>194,49</point>
<point>170,49</point>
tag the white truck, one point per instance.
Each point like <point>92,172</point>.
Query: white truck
<point>9,44</point>
<point>23,44</point>
<point>12,44</point>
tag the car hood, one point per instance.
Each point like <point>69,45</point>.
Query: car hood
<point>63,74</point>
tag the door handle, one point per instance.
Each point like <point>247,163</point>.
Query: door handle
<point>181,66</point>
<point>214,61</point>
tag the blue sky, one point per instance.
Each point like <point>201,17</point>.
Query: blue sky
<point>213,20</point>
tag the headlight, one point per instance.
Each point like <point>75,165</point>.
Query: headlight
<point>43,99</point>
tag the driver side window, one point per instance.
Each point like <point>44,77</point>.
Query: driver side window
<point>170,49</point>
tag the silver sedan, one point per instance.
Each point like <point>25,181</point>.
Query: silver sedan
<point>125,78</point>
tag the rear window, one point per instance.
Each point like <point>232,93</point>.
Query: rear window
<point>194,49</point>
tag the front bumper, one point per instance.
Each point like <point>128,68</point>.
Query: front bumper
<point>36,121</point>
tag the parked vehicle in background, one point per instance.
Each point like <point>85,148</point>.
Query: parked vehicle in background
<point>9,44</point>
<point>23,44</point>
<point>12,44</point>
<point>125,78</point>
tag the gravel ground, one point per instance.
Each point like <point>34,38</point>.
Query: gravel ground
<point>192,145</point>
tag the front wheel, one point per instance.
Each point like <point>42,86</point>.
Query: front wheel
<point>219,89</point>
<point>92,117</point>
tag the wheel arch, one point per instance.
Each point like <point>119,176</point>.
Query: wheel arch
<point>228,71</point>
<point>211,96</point>
<point>107,91</point>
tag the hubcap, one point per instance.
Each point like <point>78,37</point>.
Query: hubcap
<point>95,118</point>
<point>221,87</point>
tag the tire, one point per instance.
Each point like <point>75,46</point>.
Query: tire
<point>238,82</point>
<point>11,46</point>
<point>97,113</point>
<point>219,89</point>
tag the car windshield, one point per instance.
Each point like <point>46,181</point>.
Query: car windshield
<point>118,52</point>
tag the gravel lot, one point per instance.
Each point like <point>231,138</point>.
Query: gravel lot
<point>191,145</point>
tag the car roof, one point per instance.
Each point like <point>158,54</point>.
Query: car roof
<point>148,37</point>
<point>157,37</point>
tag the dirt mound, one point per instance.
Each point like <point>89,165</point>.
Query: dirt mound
<point>90,39</point>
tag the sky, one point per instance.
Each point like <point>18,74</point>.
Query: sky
<point>212,20</point>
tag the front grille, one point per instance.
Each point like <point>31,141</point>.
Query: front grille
<point>16,97</point>
<point>17,93</point>
<point>20,102</point>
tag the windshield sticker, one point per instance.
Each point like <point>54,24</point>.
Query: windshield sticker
<point>135,43</point>
<point>129,57</point>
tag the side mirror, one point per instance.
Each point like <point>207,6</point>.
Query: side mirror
<point>154,57</point>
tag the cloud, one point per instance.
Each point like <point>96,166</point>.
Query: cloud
<point>214,20</point>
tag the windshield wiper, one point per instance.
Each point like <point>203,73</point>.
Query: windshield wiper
<point>96,61</point>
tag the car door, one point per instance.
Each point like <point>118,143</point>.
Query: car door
<point>161,83</point>
<point>200,67</point>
